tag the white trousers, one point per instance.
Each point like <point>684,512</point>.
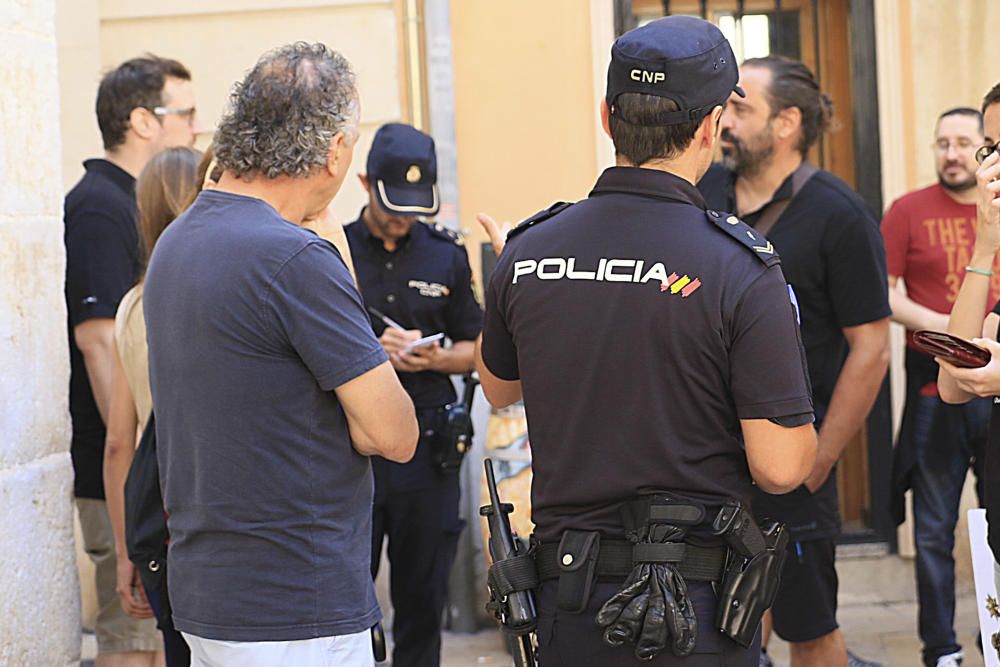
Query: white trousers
<point>344,650</point>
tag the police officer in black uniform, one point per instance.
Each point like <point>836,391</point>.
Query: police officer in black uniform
<point>416,282</point>
<point>656,349</point>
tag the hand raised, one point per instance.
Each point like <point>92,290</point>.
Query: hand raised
<point>497,233</point>
<point>988,205</point>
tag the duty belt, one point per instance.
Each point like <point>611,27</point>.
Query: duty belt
<point>618,557</point>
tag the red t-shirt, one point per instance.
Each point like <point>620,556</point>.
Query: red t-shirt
<point>928,243</point>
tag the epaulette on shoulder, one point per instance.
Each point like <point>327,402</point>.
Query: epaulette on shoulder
<point>444,233</point>
<point>745,236</point>
<point>541,216</point>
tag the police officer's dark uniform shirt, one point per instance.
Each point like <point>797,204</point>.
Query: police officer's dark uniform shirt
<point>425,284</point>
<point>641,330</point>
<point>833,256</point>
<point>102,264</point>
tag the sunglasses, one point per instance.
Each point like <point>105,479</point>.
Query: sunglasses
<point>984,152</point>
<point>187,114</point>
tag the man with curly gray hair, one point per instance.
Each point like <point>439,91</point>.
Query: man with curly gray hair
<point>269,387</point>
<point>286,112</point>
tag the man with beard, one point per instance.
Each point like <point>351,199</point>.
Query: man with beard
<point>929,238</point>
<point>834,261</point>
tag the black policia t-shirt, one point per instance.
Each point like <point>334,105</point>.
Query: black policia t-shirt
<point>425,284</point>
<point>641,332</point>
<point>833,256</point>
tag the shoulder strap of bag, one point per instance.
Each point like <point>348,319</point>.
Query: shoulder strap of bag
<point>774,210</point>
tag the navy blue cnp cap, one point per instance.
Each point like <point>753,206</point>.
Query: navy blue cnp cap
<point>402,167</point>
<point>682,58</point>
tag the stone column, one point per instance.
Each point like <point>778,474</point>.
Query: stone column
<point>39,592</point>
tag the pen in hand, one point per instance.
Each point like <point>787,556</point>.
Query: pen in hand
<point>388,321</point>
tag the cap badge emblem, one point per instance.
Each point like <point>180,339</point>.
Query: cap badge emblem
<point>413,174</point>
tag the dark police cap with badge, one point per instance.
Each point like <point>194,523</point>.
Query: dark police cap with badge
<point>402,168</point>
<point>681,58</point>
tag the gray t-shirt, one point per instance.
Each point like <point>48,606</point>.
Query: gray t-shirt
<point>252,322</point>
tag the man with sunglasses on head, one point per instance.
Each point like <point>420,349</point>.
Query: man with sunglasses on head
<point>143,106</point>
<point>929,239</point>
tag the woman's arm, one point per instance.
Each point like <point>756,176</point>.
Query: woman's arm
<point>119,448</point>
<point>967,314</point>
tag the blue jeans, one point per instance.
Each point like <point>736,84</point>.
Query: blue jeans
<point>947,439</point>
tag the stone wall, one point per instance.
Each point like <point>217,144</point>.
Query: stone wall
<point>39,598</point>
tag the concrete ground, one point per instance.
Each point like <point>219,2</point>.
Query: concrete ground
<point>878,615</point>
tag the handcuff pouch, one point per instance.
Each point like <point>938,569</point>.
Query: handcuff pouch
<point>578,554</point>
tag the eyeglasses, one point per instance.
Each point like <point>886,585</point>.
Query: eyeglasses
<point>960,145</point>
<point>186,114</point>
<point>984,152</point>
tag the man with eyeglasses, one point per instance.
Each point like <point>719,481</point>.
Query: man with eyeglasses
<point>143,106</point>
<point>929,238</point>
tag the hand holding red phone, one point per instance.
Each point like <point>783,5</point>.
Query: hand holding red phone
<point>980,381</point>
<point>956,351</point>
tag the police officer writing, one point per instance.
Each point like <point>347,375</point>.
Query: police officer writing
<point>684,385</point>
<point>416,282</point>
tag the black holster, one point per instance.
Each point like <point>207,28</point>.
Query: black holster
<point>757,554</point>
<point>454,439</point>
<point>512,583</point>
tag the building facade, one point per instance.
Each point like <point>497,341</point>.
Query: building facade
<point>511,90</point>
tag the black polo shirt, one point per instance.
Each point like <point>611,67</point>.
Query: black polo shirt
<point>424,284</point>
<point>102,263</point>
<point>833,256</point>
<point>642,329</point>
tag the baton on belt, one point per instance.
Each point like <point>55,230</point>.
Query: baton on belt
<point>515,609</point>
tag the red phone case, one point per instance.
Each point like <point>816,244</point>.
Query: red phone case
<point>952,349</point>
